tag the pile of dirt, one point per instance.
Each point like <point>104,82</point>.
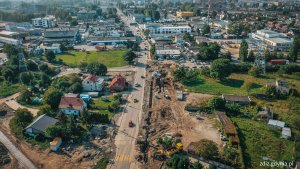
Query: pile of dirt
<point>5,109</point>
<point>4,156</point>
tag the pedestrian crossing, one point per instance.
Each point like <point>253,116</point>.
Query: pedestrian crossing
<point>122,157</point>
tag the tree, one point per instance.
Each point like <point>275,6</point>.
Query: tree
<point>217,103</point>
<point>233,109</point>
<point>251,56</point>
<point>179,74</point>
<point>220,69</point>
<point>26,77</point>
<point>207,149</point>
<point>268,55</point>
<point>184,163</point>
<point>8,74</point>
<point>254,71</point>
<point>52,97</point>
<point>74,23</point>
<point>75,88</point>
<point>55,131</point>
<point>243,51</point>
<point>156,15</point>
<point>32,66</point>
<point>22,118</point>
<point>271,91</point>
<point>50,55</point>
<point>206,29</point>
<point>294,50</point>
<point>25,97</point>
<point>10,50</point>
<point>129,56</point>
<point>231,155</point>
<point>96,69</point>
<point>46,109</point>
<point>187,37</point>
<point>63,47</point>
<point>227,55</point>
<point>197,165</point>
<point>147,32</point>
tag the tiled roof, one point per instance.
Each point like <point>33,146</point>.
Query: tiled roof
<point>71,103</point>
<point>92,78</point>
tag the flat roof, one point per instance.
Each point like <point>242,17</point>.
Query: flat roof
<point>168,52</point>
<point>8,33</point>
<point>279,40</point>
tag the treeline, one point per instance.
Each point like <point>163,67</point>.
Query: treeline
<point>17,16</point>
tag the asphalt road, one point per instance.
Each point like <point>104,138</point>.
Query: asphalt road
<point>126,136</point>
<point>24,162</point>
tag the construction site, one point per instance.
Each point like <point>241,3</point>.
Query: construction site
<point>165,118</point>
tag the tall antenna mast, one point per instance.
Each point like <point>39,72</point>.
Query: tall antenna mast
<point>22,60</point>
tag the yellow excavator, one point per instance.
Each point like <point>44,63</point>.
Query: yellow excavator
<point>160,154</point>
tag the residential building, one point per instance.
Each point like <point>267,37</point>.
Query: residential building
<point>46,22</point>
<point>39,125</point>
<point>184,14</point>
<point>242,100</point>
<point>86,15</point>
<point>110,40</point>
<point>92,83</point>
<point>55,48</point>
<point>279,62</point>
<point>272,40</point>
<point>72,105</point>
<point>118,83</point>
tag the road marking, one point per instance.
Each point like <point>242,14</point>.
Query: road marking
<point>122,157</point>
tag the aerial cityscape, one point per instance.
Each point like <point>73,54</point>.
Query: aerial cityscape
<point>150,84</point>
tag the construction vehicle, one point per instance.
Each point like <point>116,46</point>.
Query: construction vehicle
<point>173,150</point>
<point>130,124</point>
<point>161,154</point>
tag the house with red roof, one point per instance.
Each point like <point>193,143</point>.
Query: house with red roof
<point>92,83</point>
<point>117,84</point>
<point>72,105</point>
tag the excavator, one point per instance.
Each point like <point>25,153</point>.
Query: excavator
<point>161,154</point>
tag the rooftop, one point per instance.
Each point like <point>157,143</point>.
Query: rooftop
<point>42,123</point>
<point>71,103</point>
<point>226,123</point>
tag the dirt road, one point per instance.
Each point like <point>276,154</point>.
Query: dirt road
<point>24,162</point>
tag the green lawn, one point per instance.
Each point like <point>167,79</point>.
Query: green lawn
<point>110,58</point>
<point>258,140</point>
<point>235,84</point>
<point>8,89</point>
<point>102,104</point>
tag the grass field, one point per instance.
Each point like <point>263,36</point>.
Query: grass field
<point>258,140</point>
<point>236,84</point>
<point>7,89</point>
<point>101,106</point>
<point>110,58</point>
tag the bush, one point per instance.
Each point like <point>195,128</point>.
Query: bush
<point>242,67</point>
<point>288,69</point>
<point>217,103</point>
<point>233,109</point>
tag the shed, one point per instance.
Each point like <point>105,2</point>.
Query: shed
<point>242,100</point>
<point>286,133</point>
<point>276,124</point>
<point>55,144</point>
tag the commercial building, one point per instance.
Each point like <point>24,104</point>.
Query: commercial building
<point>46,22</point>
<point>162,29</point>
<point>86,15</point>
<point>58,35</point>
<point>184,14</point>
<point>272,40</point>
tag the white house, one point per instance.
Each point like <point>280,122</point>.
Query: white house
<point>92,83</point>
<point>276,124</point>
<point>286,133</point>
<point>72,105</point>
